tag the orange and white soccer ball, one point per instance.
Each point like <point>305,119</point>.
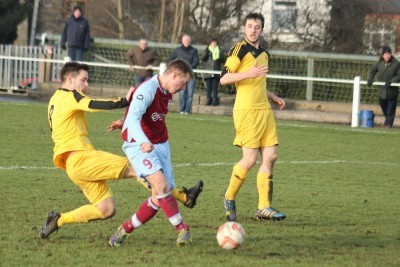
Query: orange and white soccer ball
<point>230,235</point>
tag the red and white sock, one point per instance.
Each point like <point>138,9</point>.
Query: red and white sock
<point>145,212</point>
<point>170,208</point>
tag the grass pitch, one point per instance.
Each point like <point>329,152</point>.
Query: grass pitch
<point>337,185</point>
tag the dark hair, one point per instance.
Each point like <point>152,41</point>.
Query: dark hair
<point>254,16</point>
<point>72,68</point>
<point>213,40</point>
<point>181,65</point>
<point>77,7</point>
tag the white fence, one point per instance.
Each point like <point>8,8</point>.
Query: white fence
<point>20,65</point>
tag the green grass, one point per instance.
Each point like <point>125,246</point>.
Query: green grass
<point>337,185</point>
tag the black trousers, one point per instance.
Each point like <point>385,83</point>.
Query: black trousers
<point>389,110</point>
<point>212,87</point>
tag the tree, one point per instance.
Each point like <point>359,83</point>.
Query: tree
<point>215,18</point>
<point>347,25</point>
<point>313,24</point>
<point>111,21</point>
<point>12,12</point>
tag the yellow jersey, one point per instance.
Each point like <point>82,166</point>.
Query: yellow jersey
<point>67,120</point>
<point>250,93</point>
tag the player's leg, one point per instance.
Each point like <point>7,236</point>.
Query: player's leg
<point>158,172</point>
<point>166,182</point>
<point>161,198</point>
<point>238,177</point>
<point>146,211</point>
<point>90,170</point>
<point>186,196</point>
<point>246,137</point>
<point>269,142</point>
<point>265,186</point>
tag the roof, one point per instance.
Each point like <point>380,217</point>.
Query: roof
<point>386,6</point>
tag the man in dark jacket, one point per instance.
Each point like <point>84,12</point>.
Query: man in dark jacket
<point>143,56</point>
<point>77,34</point>
<point>212,58</point>
<point>387,70</point>
<point>191,55</point>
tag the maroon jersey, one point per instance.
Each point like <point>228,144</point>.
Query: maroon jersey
<point>144,119</point>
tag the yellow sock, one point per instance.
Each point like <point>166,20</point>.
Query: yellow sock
<point>238,177</point>
<point>82,214</point>
<point>179,195</point>
<point>143,183</point>
<point>265,189</point>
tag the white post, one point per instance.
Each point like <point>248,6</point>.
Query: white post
<point>310,74</point>
<point>356,102</point>
<point>163,67</point>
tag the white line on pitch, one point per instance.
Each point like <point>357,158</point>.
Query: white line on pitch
<point>209,164</point>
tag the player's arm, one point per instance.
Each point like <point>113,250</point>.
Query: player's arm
<point>141,100</point>
<point>118,123</point>
<point>277,100</point>
<point>106,104</point>
<point>253,72</point>
<point>115,125</point>
<point>86,103</point>
<point>230,74</point>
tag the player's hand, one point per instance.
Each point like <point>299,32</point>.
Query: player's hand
<point>257,71</point>
<point>279,101</point>
<point>146,147</point>
<point>149,67</point>
<point>129,94</point>
<point>369,82</point>
<point>115,125</point>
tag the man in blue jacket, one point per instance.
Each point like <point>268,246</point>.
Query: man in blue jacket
<point>191,55</point>
<point>77,34</point>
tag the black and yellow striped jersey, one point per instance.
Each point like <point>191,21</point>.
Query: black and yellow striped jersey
<point>67,119</point>
<point>250,93</point>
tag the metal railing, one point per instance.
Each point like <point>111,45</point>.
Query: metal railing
<point>20,65</point>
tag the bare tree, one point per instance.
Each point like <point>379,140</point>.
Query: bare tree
<point>215,18</point>
<point>313,22</point>
<point>109,19</point>
<point>161,22</point>
<point>347,24</point>
<point>178,19</point>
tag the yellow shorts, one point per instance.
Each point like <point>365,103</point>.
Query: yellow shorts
<point>90,170</point>
<point>255,128</point>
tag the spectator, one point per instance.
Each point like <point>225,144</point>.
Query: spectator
<point>143,56</point>
<point>387,70</point>
<point>212,61</point>
<point>191,55</point>
<point>77,34</point>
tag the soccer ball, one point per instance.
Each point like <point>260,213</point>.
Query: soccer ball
<point>230,235</point>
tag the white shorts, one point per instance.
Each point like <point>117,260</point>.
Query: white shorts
<point>149,163</point>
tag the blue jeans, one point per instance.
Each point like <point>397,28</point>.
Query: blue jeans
<point>186,97</point>
<point>76,54</point>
